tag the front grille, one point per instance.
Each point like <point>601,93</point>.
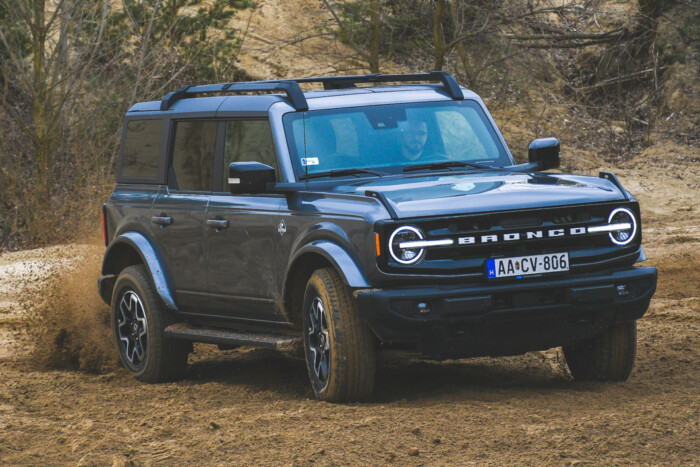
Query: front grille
<point>586,252</point>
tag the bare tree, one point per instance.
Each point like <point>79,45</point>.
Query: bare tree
<point>438,37</point>
<point>52,77</point>
<point>69,69</point>
<point>348,35</point>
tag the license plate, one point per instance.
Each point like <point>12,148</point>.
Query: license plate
<point>527,265</point>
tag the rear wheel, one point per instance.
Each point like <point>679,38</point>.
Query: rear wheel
<point>138,324</point>
<point>607,357</point>
<point>339,347</point>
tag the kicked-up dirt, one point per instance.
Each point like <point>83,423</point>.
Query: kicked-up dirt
<point>256,407</point>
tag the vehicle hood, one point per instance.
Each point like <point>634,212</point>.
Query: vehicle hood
<point>449,194</point>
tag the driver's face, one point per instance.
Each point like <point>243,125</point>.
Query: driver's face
<point>413,138</point>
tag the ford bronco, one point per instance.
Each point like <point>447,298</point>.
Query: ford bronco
<point>359,218</point>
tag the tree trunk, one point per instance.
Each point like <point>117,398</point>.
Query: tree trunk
<point>39,94</point>
<point>438,38</point>
<point>374,38</point>
<point>461,51</point>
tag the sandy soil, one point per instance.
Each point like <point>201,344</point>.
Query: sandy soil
<point>250,406</point>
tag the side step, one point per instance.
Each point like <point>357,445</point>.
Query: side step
<point>231,337</point>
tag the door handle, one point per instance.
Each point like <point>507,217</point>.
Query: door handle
<point>218,224</point>
<point>162,220</point>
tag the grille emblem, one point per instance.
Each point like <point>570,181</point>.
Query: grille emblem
<point>516,236</point>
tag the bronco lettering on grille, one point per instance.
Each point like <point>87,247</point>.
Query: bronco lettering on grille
<point>515,236</point>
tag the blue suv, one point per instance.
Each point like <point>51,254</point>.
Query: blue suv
<point>359,218</point>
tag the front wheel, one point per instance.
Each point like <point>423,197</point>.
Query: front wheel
<point>607,357</point>
<point>339,347</point>
<point>138,322</point>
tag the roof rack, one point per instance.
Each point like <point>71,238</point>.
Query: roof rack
<point>289,87</point>
<point>345,82</point>
<point>296,96</point>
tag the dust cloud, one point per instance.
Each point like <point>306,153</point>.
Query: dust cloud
<point>68,321</point>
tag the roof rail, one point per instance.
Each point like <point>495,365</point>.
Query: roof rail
<point>296,96</point>
<point>289,87</point>
<point>344,82</point>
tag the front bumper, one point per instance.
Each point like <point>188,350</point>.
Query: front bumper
<point>507,318</point>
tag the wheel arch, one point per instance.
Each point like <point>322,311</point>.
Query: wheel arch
<point>316,255</point>
<point>131,248</point>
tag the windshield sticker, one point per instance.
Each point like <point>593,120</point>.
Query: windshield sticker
<point>309,161</point>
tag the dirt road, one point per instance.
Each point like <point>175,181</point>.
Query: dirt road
<point>256,407</point>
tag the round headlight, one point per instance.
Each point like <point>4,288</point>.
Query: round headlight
<point>406,255</point>
<point>624,218</point>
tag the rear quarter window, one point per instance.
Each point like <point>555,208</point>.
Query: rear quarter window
<point>141,149</point>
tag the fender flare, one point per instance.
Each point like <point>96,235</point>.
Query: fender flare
<point>335,254</point>
<point>149,257</point>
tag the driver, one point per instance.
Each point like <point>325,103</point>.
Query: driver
<point>414,134</point>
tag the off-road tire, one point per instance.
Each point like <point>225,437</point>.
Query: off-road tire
<point>607,357</point>
<point>165,359</point>
<point>352,344</point>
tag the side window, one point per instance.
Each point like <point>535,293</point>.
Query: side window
<point>193,155</point>
<point>248,141</point>
<point>141,149</point>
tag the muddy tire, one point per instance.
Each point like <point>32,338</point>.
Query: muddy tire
<point>138,322</point>
<point>607,357</point>
<point>338,345</point>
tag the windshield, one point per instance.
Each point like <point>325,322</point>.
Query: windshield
<point>390,138</point>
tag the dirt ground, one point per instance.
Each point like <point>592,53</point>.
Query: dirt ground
<point>256,407</point>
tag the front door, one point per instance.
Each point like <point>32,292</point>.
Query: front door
<point>242,231</point>
<point>179,211</point>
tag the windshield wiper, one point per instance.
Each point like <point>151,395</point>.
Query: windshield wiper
<point>444,165</point>
<point>342,173</point>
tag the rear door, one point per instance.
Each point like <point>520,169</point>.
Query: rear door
<point>140,172</point>
<point>179,211</point>
<point>243,229</point>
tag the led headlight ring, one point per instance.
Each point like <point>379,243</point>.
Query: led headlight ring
<point>632,220</point>
<point>418,256</point>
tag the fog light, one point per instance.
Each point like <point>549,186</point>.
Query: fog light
<point>424,308</point>
<point>622,290</point>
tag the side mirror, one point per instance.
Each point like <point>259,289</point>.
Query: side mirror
<point>545,152</point>
<point>249,177</point>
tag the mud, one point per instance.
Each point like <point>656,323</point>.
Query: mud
<point>249,407</point>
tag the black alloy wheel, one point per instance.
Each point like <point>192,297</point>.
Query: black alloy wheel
<point>339,347</point>
<point>132,328</point>
<point>139,319</point>
<point>319,340</point>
